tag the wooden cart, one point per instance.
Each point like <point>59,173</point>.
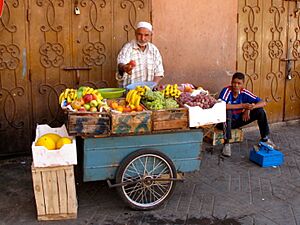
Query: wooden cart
<point>143,168</point>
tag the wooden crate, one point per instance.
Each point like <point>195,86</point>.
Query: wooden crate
<point>55,192</point>
<point>215,136</point>
<point>132,123</point>
<point>88,124</point>
<point>170,119</point>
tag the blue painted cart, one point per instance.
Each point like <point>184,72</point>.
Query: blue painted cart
<point>144,167</point>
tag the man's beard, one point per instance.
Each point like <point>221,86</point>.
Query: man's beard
<point>142,44</point>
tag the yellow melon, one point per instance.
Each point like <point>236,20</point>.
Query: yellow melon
<point>53,136</point>
<point>47,142</point>
<point>62,141</point>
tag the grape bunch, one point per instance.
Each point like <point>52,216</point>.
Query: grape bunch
<point>202,100</point>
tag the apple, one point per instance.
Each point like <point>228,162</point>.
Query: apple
<point>82,109</point>
<point>87,107</point>
<point>93,109</point>
<point>132,63</point>
<point>93,103</point>
<point>87,98</point>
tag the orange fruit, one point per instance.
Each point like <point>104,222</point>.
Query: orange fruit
<point>120,108</point>
<point>62,141</point>
<point>114,105</point>
<point>139,108</point>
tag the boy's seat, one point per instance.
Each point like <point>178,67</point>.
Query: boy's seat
<point>214,135</point>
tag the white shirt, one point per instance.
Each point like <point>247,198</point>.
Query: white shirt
<point>148,62</point>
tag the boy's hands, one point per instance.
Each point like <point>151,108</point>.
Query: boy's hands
<point>248,106</point>
<point>246,115</point>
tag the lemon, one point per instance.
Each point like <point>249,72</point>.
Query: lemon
<point>53,136</point>
<point>62,141</point>
<point>47,142</point>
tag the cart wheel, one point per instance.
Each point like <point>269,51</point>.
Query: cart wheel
<point>146,164</point>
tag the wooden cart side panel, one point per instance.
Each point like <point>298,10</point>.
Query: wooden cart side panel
<point>102,156</point>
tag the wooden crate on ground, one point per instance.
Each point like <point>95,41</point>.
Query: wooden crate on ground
<point>89,124</point>
<point>215,136</point>
<point>170,119</point>
<point>55,192</point>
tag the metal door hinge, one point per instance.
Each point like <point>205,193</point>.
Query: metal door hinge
<point>28,15</point>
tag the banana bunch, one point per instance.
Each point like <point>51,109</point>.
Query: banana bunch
<point>171,91</point>
<point>134,96</point>
<point>69,94</point>
<point>142,89</point>
<point>88,90</point>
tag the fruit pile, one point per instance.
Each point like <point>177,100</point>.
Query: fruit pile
<point>204,101</point>
<point>171,91</point>
<point>156,100</point>
<point>52,141</point>
<point>82,99</point>
<point>132,100</point>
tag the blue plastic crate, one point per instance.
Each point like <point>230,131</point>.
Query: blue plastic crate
<point>266,156</point>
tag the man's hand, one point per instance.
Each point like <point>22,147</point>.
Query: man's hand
<point>129,67</point>
<point>246,115</point>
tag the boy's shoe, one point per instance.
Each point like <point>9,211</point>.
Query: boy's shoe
<point>226,150</point>
<point>268,142</point>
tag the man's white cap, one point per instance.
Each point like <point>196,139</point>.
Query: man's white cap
<point>143,24</point>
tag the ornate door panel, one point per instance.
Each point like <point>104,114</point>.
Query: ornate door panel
<point>47,46</point>
<point>15,105</point>
<point>292,76</point>
<point>263,47</point>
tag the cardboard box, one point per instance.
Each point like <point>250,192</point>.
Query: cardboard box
<point>55,192</point>
<point>66,155</point>
<point>200,117</point>
<point>266,156</point>
<point>216,137</point>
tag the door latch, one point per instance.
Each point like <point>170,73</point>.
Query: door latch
<point>77,10</point>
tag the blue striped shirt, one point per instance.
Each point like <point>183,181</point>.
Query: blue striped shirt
<point>244,96</point>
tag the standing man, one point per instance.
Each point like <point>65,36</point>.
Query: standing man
<point>139,60</point>
<point>242,107</point>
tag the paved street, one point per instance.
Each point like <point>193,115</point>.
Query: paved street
<point>224,191</point>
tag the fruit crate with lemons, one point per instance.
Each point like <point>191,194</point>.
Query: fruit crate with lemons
<point>53,147</point>
<point>87,110</point>
<point>54,154</point>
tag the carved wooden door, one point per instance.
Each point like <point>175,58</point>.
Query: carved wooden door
<point>268,53</point>
<point>55,45</point>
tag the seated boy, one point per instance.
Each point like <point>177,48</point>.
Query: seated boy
<point>242,107</point>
